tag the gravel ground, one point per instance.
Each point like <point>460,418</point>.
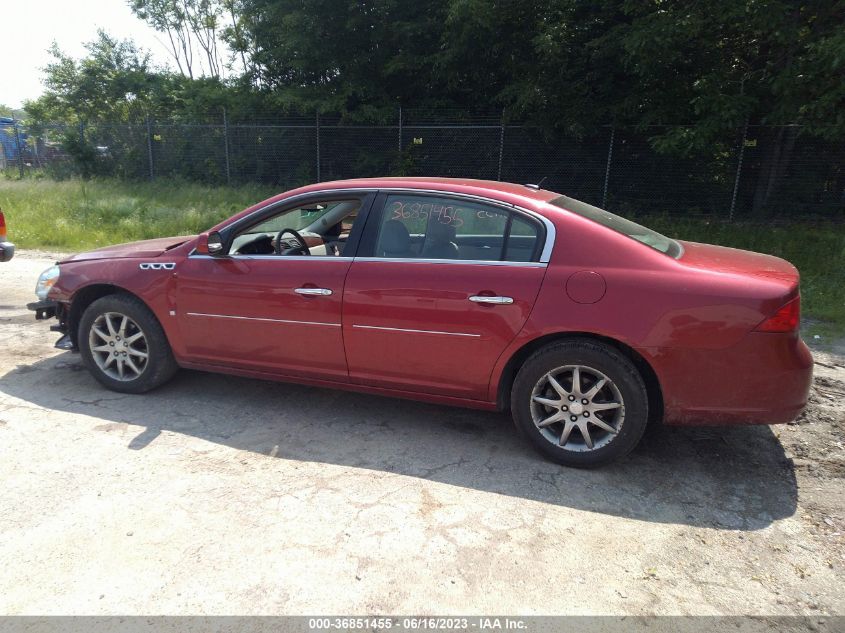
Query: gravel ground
<point>221,495</point>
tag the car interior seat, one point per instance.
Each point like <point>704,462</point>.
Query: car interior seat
<point>440,242</point>
<point>395,241</point>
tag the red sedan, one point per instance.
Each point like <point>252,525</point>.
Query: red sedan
<point>7,249</point>
<point>473,293</point>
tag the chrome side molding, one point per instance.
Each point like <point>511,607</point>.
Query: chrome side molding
<point>399,329</point>
<point>266,320</point>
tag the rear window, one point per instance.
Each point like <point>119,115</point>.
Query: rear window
<point>643,234</point>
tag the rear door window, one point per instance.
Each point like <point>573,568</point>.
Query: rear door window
<point>435,227</point>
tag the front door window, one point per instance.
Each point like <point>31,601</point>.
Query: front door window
<point>324,227</point>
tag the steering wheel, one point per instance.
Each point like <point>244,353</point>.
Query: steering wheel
<point>302,249</point>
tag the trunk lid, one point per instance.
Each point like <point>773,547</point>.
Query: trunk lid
<point>735,261</point>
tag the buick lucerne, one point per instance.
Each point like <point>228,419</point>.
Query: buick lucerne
<point>490,295</point>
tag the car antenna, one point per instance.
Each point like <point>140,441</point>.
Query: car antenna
<point>537,186</point>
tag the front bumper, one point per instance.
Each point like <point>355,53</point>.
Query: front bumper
<point>47,310</point>
<point>43,309</point>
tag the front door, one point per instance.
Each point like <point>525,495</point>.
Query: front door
<point>446,285</point>
<point>268,304</point>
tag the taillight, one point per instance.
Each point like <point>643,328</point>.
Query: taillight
<point>784,320</point>
<point>2,227</point>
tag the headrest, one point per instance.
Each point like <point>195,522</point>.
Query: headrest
<point>394,237</point>
<point>440,232</point>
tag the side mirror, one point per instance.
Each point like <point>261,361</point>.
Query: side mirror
<point>215,244</point>
<point>210,244</point>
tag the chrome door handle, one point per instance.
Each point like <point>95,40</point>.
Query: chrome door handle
<point>313,292</point>
<point>499,301</point>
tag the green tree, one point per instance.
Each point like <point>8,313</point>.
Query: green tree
<point>116,82</point>
<point>343,55</point>
<point>193,29</point>
<point>699,69</point>
<point>113,82</point>
<point>15,113</point>
<point>720,64</point>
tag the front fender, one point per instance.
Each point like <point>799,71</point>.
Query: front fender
<point>80,283</point>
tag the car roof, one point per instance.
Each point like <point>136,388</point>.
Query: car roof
<point>531,198</point>
<point>516,194</point>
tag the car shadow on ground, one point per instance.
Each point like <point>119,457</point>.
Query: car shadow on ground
<point>725,478</point>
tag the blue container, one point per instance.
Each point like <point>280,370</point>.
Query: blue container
<point>9,154</point>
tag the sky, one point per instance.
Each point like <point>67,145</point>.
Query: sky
<point>29,27</point>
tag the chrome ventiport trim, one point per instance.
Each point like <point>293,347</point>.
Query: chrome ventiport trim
<point>244,318</point>
<point>399,329</point>
<point>157,266</point>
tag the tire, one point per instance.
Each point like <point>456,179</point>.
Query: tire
<point>620,403</point>
<point>125,369</point>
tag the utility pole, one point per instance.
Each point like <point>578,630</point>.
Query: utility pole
<point>318,147</point>
<point>150,148</point>
<point>738,171</point>
<point>226,147</point>
<point>20,149</point>
<point>607,169</point>
<point>501,145</point>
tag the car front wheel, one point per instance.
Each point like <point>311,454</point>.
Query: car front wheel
<point>124,346</point>
<point>580,403</point>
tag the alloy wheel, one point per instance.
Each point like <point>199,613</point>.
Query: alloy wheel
<point>577,408</point>
<point>118,346</point>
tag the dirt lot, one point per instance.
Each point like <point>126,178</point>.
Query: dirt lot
<point>219,495</point>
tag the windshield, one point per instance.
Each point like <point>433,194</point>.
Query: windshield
<point>619,224</point>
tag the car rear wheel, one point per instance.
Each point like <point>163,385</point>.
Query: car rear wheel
<point>580,403</point>
<point>124,346</point>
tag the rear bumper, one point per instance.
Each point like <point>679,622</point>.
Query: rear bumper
<point>763,379</point>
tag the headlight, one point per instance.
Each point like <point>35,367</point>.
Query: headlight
<point>46,281</point>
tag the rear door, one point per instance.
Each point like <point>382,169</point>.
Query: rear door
<point>441,286</point>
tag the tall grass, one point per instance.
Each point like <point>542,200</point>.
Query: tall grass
<point>74,215</point>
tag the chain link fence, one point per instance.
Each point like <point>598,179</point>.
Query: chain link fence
<point>750,172</point>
